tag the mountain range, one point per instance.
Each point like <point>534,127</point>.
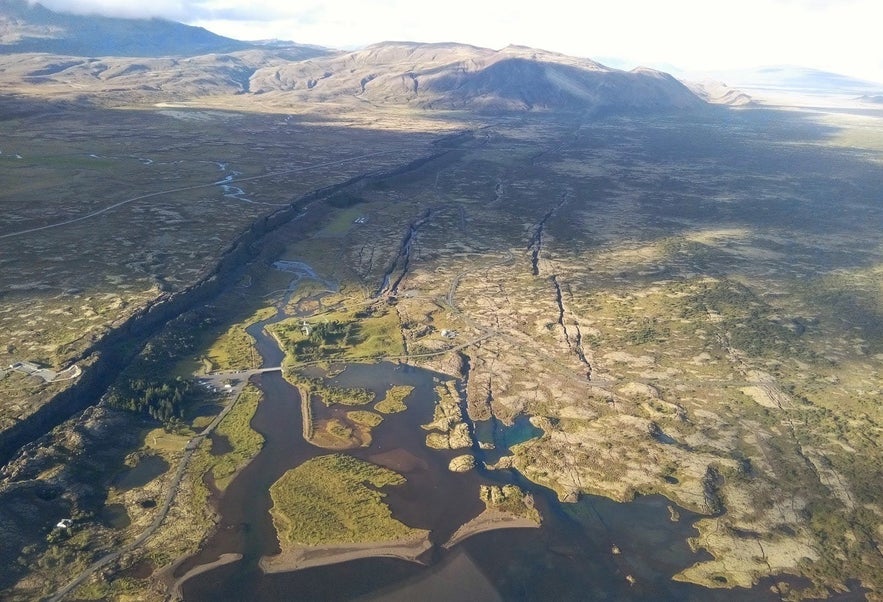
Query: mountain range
<point>458,76</point>
<point>60,55</point>
<point>793,79</point>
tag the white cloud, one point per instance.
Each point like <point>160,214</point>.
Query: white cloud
<point>170,9</point>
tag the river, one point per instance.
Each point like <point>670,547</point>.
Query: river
<point>571,557</point>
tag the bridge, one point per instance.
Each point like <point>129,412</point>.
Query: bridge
<point>250,372</point>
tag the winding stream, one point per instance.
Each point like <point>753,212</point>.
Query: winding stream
<point>570,558</point>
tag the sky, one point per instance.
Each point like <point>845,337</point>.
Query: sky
<point>686,35</point>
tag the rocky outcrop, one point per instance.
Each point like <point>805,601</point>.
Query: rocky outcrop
<point>449,429</point>
<point>463,463</point>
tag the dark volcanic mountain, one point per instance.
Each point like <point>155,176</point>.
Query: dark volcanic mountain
<point>28,28</point>
<point>457,76</point>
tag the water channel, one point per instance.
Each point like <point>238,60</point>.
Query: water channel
<point>571,557</point>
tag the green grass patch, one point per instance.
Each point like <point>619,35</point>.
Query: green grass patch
<point>234,349</point>
<point>74,161</point>
<point>342,222</point>
<point>200,422</point>
<point>164,441</point>
<point>335,499</point>
<point>343,334</point>
<point>338,434</point>
<point>345,433</point>
<point>330,395</point>
<point>394,401</point>
<point>245,442</point>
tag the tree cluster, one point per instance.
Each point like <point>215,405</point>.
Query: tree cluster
<point>163,401</point>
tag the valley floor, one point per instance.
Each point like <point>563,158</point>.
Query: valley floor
<point>684,305</point>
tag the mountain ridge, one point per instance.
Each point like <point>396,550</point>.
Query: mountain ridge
<point>457,76</point>
<point>48,53</point>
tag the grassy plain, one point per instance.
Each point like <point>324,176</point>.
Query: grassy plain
<point>364,417</point>
<point>234,350</point>
<point>675,303</point>
<point>342,334</point>
<point>140,210</point>
<point>688,305</point>
<point>331,394</point>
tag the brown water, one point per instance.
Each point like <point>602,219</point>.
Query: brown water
<point>115,516</point>
<point>148,468</point>
<point>220,444</point>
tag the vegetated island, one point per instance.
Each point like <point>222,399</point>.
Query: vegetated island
<point>329,510</point>
<point>394,401</point>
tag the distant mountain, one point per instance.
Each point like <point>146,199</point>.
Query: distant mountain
<point>115,80</point>
<point>458,76</point>
<point>791,79</point>
<point>28,28</point>
<point>811,80</point>
<point>716,92</point>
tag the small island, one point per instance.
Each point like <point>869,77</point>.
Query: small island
<point>329,509</point>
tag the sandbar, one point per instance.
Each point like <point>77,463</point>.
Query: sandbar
<point>175,591</point>
<point>488,521</point>
<point>302,557</point>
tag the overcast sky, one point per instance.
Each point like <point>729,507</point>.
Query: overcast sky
<point>836,35</point>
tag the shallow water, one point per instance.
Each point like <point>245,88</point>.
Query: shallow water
<point>148,468</point>
<point>502,436</point>
<point>115,516</point>
<point>570,556</point>
<point>220,444</point>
